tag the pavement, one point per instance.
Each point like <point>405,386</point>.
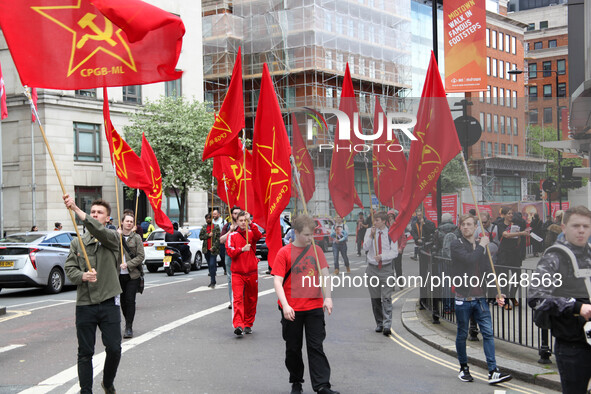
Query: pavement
<point>515,359</point>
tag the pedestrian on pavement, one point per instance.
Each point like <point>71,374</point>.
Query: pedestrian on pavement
<point>97,298</point>
<point>302,306</point>
<point>245,274</point>
<point>360,232</point>
<point>554,230</point>
<point>566,302</point>
<point>469,258</point>
<point>34,228</point>
<point>110,224</point>
<point>536,227</point>
<point>509,257</point>
<point>229,228</point>
<point>381,251</point>
<point>57,226</point>
<point>210,235</point>
<point>131,270</point>
<point>392,214</point>
<point>219,221</point>
<point>339,237</point>
<point>147,226</point>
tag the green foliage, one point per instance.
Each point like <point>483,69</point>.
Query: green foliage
<point>453,176</point>
<point>176,129</point>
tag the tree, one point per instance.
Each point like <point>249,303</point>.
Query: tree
<point>453,176</point>
<point>176,128</point>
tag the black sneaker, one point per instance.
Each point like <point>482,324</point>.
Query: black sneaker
<point>296,388</point>
<point>108,390</point>
<point>327,390</point>
<point>497,376</point>
<point>464,375</point>
<point>238,331</point>
<point>247,330</point>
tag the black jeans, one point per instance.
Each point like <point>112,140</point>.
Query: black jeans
<point>398,265</point>
<point>107,317</point>
<point>574,365</point>
<point>129,287</point>
<point>293,334</point>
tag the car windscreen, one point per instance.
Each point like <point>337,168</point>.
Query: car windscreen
<point>194,233</point>
<point>22,238</point>
<point>157,236</point>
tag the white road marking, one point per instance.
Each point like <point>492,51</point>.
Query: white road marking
<point>9,347</point>
<point>206,288</point>
<point>49,306</point>
<point>71,373</point>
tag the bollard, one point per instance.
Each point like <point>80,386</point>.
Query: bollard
<point>544,351</point>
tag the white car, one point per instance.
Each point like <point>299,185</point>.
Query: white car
<point>154,249</point>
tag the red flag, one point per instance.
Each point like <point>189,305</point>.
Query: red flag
<point>341,183</point>
<point>437,143</point>
<point>34,97</point>
<point>3,109</point>
<point>303,161</point>
<point>222,140</point>
<point>272,184</point>
<point>128,165</point>
<point>154,191</point>
<point>389,162</point>
<point>231,174</point>
<point>110,43</point>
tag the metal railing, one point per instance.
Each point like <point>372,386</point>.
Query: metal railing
<point>514,324</point>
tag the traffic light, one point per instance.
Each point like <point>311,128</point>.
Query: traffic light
<point>568,180</point>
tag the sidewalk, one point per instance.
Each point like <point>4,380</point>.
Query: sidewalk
<point>519,361</point>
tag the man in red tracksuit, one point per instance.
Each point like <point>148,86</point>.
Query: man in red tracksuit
<point>244,273</point>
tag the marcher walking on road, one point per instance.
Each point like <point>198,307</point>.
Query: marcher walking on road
<point>302,307</point>
<point>210,235</point>
<point>565,299</point>
<point>219,221</point>
<point>381,252</point>
<point>340,237</point>
<point>131,270</point>
<point>245,276</point>
<point>97,298</point>
<point>469,258</point>
<point>360,232</point>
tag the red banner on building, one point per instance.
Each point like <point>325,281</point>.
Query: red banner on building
<point>464,23</point>
<point>483,208</point>
<point>449,204</point>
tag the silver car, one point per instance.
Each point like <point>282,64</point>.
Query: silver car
<point>35,259</point>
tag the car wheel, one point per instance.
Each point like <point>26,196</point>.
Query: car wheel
<point>198,261</point>
<point>169,271</point>
<point>187,268</point>
<point>152,268</point>
<point>55,284</point>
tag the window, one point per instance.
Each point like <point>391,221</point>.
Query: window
<point>340,62</point>
<point>494,95</point>
<point>515,126</point>
<point>507,41</point>
<point>172,207</point>
<point>339,24</point>
<point>501,41</point>
<point>362,66</point>
<point>547,66</point>
<point>496,148</point>
<point>87,93</point>
<point>488,37</point>
<point>481,96</point>
<point>329,102</point>
<point>482,120</point>
<point>496,124</point>
<point>501,96</point>
<point>502,124</point>
<point>514,75</point>
<point>290,96</point>
<point>494,67</point>
<point>173,88</point>
<point>513,45</point>
<point>538,45</point>
<point>532,70</point>
<point>489,149</point>
<point>507,75</point>
<point>552,44</point>
<point>482,148</point>
<point>84,196</point>
<point>561,89</point>
<point>508,124</point>
<point>351,62</point>
<point>493,39</point>
<point>547,115</point>
<point>515,150</point>
<point>87,145</point>
<point>502,149</point>
<point>561,66</point>
<point>351,28</point>
<point>132,94</point>
<point>533,93</point>
<point>531,26</point>
<point>527,46</point>
<point>487,65</point>
<point>327,22</point>
<point>547,91</point>
<point>372,69</point>
<point>509,149</point>
<point>209,101</point>
<point>543,24</point>
<point>508,98</point>
<point>501,68</point>
<point>488,123</point>
<point>328,59</point>
<point>533,116</point>
<point>488,91</point>
<point>515,99</point>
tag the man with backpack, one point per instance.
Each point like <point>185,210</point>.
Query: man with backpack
<point>563,293</point>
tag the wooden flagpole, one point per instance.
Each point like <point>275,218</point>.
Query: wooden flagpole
<point>59,177</point>
<point>245,181</point>
<point>375,241</point>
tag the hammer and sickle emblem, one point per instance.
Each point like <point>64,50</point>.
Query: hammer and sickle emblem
<point>117,149</point>
<point>100,35</point>
<point>237,174</point>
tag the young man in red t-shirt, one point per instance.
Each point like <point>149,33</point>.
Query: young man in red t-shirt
<point>298,287</point>
<point>245,275</point>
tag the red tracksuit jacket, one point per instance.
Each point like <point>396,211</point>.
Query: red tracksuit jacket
<point>243,262</point>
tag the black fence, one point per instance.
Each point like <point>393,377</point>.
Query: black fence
<point>512,324</point>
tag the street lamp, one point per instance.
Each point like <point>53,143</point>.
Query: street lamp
<point>515,71</point>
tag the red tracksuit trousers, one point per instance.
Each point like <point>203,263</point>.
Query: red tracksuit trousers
<point>245,289</point>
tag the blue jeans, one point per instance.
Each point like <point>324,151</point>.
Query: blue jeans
<point>212,264</point>
<point>339,247</point>
<point>479,310</point>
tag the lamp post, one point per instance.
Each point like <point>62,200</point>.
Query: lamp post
<point>558,136</point>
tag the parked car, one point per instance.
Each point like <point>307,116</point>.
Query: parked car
<point>35,259</point>
<point>322,232</point>
<point>154,249</point>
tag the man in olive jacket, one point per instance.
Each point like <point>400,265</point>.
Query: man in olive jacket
<point>97,299</point>
<point>210,235</point>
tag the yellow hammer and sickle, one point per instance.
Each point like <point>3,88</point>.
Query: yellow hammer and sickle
<point>117,149</point>
<point>237,175</point>
<point>100,35</point>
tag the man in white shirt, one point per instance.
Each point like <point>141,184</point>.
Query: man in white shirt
<point>381,252</point>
